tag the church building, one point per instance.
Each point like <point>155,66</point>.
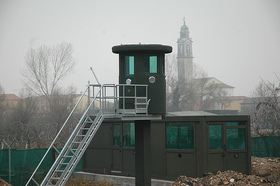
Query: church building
<point>185,55</point>
<point>209,85</point>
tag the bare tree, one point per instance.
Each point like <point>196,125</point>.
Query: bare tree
<point>195,93</point>
<point>1,89</point>
<point>16,120</point>
<point>26,110</point>
<point>266,118</point>
<point>2,99</point>
<point>172,92</point>
<point>264,110</point>
<point>2,108</point>
<point>47,66</point>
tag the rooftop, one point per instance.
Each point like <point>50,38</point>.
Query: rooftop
<point>142,48</point>
<point>10,97</point>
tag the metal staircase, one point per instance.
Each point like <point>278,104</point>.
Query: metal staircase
<point>103,101</point>
<point>69,156</point>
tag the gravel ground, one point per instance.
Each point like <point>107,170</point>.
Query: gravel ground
<point>265,171</point>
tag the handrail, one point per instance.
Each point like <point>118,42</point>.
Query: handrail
<point>52,144</point>
<point>71,136</point>
<point>94,75</point>
<point>117,100</point>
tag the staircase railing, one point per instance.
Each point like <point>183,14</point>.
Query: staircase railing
<point>106,100</point>
<point>67,123</point>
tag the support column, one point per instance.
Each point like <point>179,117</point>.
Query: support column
<point>143,153</point>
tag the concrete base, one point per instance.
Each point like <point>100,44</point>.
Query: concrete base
<point>118,180</point>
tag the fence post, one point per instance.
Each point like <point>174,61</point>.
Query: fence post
<point>10,159</point>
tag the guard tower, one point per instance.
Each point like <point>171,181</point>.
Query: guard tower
<point>144,64</point>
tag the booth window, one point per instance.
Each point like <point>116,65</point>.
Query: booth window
<point>151,64</point>
<point>128,134</point>
<point>180,135</point>
<point>117,135</point>
<point>129,65</point>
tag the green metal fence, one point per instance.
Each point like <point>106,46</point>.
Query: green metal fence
<point>265,146</point>
<point>23,163</point>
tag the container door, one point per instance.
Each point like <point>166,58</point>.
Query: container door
<point>216,148</point>
<point>117,161</point>
<point>237,150</point>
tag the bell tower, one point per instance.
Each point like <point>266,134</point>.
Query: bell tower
<point>184,54</point>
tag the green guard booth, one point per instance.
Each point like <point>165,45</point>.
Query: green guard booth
<point>144,64</point>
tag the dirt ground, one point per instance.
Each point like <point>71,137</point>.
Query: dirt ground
<point>265,171</point>
<point>4,183</point>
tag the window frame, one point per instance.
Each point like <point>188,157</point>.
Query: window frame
<point>127,65</point>
<point>147,64</point>
<point>180,141</point>
<point>230,125</point>
<point>241,125</point>
<point>131,145</point>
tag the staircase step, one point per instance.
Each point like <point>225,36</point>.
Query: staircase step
<point>84,128</point>
<point>63,163</point>
<point>81,135</point>
<point>67,156</point>
<point>59,170</point>
<point>76,142</point>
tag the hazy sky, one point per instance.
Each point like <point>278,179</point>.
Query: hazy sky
<point>236,41</point>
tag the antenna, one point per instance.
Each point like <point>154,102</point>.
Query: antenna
<point>94,75</point>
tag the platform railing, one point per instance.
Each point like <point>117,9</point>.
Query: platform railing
<point>121,99</point>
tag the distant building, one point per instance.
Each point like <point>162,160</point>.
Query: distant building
<point>220,96</point>
<point>217,85</point>
<point>10,100</point>
<point>42,103</point>
<point>84,103</point>
<point>233,102</point>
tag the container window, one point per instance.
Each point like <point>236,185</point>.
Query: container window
<point>128,134</point>
<point>129,65</point>
<point>180,135</point>
<point>215,136</point>
<point>236,139</point>
<point>117,135</point>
